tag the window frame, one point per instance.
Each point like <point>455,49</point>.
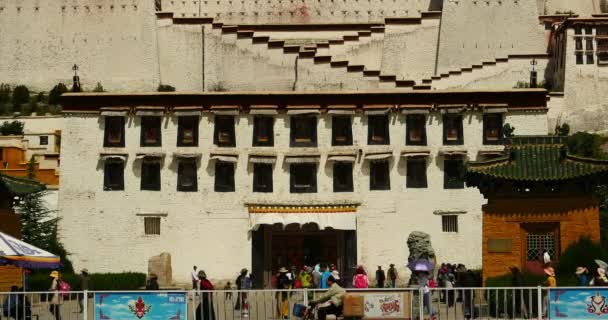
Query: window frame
<point>419,180</point>
<point>108,167</point>
<point>145,126</point>
<point>181,167</point>
<point>384,125</point>
<point>259,124</point>
<point>108,130</point>
<point>343,169</point>
<point>312,141</point>
<point>224,176</point>
<point>341,126</point>
<point>453,118</point>
<point>155,174</point>
<point>224,124</point>
<point>379,167</point>
<point>182,121</point>
<point>148,223</point>
<point>43,140</point>
<point>306,170</point>
<point>263,177</point>
<point>448,226</point>
<point>486,127</point>
<point>449,182</point>
<point>412,121</point>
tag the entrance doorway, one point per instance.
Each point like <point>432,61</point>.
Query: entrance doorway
<point>276,246</point>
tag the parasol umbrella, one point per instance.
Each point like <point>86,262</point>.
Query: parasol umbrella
<point>601,264</point>
<point>24,255</point>
<point>421,265</point>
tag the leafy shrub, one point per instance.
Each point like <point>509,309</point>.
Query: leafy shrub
<point>40,281</point>
<point>586,145</point>
<point>165,88</point>
<point>5,93</point>
<point>56,92</point>
<point>583,252</point>
<point>11,128</point>
<point>21,95</point>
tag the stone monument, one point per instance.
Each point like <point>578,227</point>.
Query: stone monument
<point>161,266</point>
<point>422,254</point>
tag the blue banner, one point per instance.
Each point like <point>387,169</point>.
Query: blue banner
<point>584,303</point>
<point>141,306</point>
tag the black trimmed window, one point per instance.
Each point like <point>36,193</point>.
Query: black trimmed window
<point>223,135</point>
<point>453,173</point>
<point>343,176</point>
<point>303,178</point>
<point>449,223</point>
<point>187,179</point>
<point>379,175</point>
<point>114,134</point>
<point>152,226</point>
<point>452,129</point>
<point>415,130</point>
<point>492,128</point>
<point>377,129</point>
<point>150,174</point>
<point>262,177</point>
<point>303,131</point>
<point>187,131</point>
<point>114,175</point>
<point>224,176</point>
<point>263,131</point>
<point>341,131</point>
<point>416,173</point>
<point>44,140</point>
<point>151,131</point>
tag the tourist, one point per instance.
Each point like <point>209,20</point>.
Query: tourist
<point>56,299</point>
<point>518,282</point>
<point>336,276</point>
<point>360,280</point>
<point>546,258</point>
<point>316,276</point>
<point>467,280</point>
<point>84,286</point>
<point>243,282</point>
<point>334,295</point>
<point>380,277</point>
<point>228,288</point>
<point>582,276</point>
<point>152,282</point>
<point>325,273</point>
<point>305,278</point>
<point>392,276</point>
<point>284,283</point>
<point>194,276</point>
<point>205,311</point>
<point>551,283</point>
<point>600,279</point>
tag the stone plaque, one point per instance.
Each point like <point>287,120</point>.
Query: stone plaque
<point>499,245</point>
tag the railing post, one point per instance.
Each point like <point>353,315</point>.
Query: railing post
<point>539,296</point>
<point>421,303</point>
<point>85,304</point>
<point>305,296</point>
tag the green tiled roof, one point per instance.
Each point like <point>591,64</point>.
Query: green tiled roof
<point>537,162</point>
<point>20,186</point>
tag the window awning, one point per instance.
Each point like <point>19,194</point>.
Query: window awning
<point>263,159</point>
<point>184,154</point>
<point>141,155</point>
<point>453,151</point>
<point>302,159</point>
<point>187,111</point>
<point>342,158</point>
<point>149,111</point>
<point>415,111</point>
<point>495,110</point>
<point>415,154</point>
<point>114,112</point>
<point>339,217</point>
<point>341,111</point>
<point>225,157</point>
<point>302,111</point>
<point>263,111</point>
<point>372,112</point>
<point>113,156</point>
<point>378,156</point>
<point>225,110</point>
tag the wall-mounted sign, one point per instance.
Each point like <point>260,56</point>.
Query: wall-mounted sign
<point>499,245</point>
<point>384,306</point>
<point>141,305</point>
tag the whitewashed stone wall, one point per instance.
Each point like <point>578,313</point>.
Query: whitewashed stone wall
<point>211,229</point>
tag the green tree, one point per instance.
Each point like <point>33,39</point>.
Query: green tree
<point>508,130</point>
<point>56,93</point>
<point>5,93</point>
<point>562,130</point>
<point>165,88</point>
<point>14,128</point>
<point>586,145</point>
<point>21,95</point>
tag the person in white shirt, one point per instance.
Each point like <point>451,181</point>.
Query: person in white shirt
<point>195,280</point>
<point>546,257</point>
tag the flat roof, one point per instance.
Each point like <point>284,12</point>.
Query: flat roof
<point>515,98</point>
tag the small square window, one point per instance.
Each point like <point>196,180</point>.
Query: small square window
<point>416,173</point>
<point>452,130</point>
<point>492,128</point>
<point>415,130</point>
<point>152,226</point>
<point>262,177</point>
<point>114,135</point>
<point>187,179</point>
<point>453,172</point>
<point>187,131</point>
<point>303,178</point>
<point>150,174</point>
<point>150,132</point>
<point>378,130</point>
<point>343,176</point>
<point>224,176</point>
<point>579,58</point>
<point>341,131</point>
<point>263,131</point>
<point>379,178</point>
<point>114,175</point>
<point>224,131</point>
<point>44,140</point>
<point>303,131</point>
<point>449,223</point>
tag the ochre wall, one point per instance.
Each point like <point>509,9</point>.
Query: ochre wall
<point>16,166</point>
<point>502,219</point>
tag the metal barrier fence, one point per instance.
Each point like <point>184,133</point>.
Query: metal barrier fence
<point>399,303</point>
